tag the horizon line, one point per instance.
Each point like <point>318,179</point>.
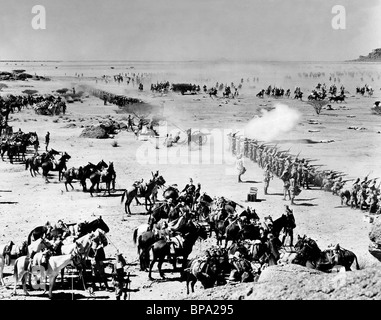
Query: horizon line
<point>190,60</point>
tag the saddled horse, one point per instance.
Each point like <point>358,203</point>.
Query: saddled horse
<point>108,177</point>
<point>54,266</point>
<point>33,163</point>
<point>203,269</point>
<point>145,235</point>
<point>82,173</point>
<point>162,248</point>
<point>9,253</point>
<point>312,257</point>
<point>145,191</point>
<point>60,166</point>
<point>76,230</point>
<point>203,207</point>
<point>171,193</point>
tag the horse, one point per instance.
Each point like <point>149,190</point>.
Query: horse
<point>78,230</point>
<point>311,256</point>
<point>145,239</point>
<point>107,177</point>
<point>171,193</point>
<point>82,173</point>
<point>145,191</point>
<point>162,248</point>
<point>203,207</point>
<point>34,162</point>
<point>276,226</point>
<point>50,166</point>
<point>83,245</point>
<point>201,269</point>
<point>54,266</point>
<point>9,253</point>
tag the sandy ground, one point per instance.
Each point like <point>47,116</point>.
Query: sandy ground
<point>32,202</point>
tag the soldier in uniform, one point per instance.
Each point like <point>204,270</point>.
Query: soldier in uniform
<point>267,177</point>
<point>355,188</point>
<point>286,184</point>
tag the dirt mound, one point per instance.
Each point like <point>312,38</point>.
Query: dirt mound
<point>375,232</point>
<point>293,282</point>
<point>94,132</point>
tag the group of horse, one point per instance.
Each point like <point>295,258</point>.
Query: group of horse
<point>96,173</point>
<point>46,252</point>
<point>15,145</point>
<point>250,246</point>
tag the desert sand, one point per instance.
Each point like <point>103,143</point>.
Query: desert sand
<point>31,202</point>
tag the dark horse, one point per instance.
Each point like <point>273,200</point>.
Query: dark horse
<point>34,162</point>
<point>83,229</point>
<point>50,166</point>
<point>162,248</point>
<point>310,255</point>
<point>171,193</point>
<point>145,191</point>
<point>107,177</point>
<point>82,173</point>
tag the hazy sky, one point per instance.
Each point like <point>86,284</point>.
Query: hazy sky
<point>188,30</point>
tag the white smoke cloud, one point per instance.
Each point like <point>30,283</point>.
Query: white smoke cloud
<point>272,123</point>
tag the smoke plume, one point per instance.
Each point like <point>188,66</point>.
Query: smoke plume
<point>272,123</point>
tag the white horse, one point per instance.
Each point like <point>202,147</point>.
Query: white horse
<point>8,254</point>
<point>17,251</point>
<point>54,266</point>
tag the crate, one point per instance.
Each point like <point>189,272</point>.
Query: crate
<point>251,197</point>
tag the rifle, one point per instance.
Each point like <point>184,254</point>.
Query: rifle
<point>347,180</point>
<point>368,174</point>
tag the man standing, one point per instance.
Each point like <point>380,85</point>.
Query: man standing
<point>286,184</point>
<point>268,176</point>
<point>289,227</point>
<point>240,168</point>
<point>47,140</point>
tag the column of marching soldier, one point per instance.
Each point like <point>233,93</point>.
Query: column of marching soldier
<point>362,194</point>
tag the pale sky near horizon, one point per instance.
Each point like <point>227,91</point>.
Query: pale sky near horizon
<point>293,30</point>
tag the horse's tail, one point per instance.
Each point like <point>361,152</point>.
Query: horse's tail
<point>15,271</point>
<point>26,164</point>
<point>357,264</point>
<point>135,235</point>
<point>124,195</point>
<point>29,239</point>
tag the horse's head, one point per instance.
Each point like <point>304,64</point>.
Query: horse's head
<point>100,235</point>
<point>65,156</point>
<point>100,224</point>
<point>53,152</point>
<point>101,164</point>
<point>160,180</point>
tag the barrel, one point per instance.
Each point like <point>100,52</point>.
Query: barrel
<point>252,195</point>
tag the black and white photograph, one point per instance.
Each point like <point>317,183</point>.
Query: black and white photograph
<point>178,150</point>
